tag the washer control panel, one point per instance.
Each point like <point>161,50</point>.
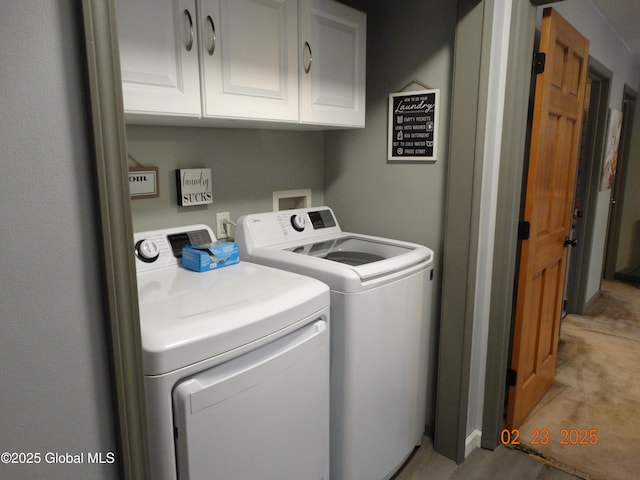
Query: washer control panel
<point>269,228</point>
<point>322,219</point>
<point>318,219</point>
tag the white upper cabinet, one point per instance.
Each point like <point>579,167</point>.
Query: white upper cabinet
<point>214,61</point>
<point>159,56</point>
<point>249,59</point>
<point>333,65</point>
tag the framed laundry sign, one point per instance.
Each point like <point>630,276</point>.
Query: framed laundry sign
<point>194,186</point>
<point>413,125</point>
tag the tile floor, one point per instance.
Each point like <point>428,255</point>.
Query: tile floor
<point>481,464</point>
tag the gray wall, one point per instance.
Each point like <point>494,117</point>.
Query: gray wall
<point>629,244</point>
<point>55,383</point>
<point>370,194</point>
<point>247,165</point>
<point>401,200</point>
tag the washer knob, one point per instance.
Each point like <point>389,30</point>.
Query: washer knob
<point>298,222</point>
<point>147,251</point>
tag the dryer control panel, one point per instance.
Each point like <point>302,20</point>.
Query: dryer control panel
<point>163,248</point>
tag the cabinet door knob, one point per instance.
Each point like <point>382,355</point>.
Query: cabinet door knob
<point>307,57</point>
<point>189,44</point>
<point>212,43</point>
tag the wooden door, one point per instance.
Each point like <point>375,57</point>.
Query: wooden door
<point>555,138</point>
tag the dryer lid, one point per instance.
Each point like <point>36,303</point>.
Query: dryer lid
<point>187,317</point>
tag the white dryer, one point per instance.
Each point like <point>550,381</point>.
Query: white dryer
<point>236,366</point>
<point>380,330</point>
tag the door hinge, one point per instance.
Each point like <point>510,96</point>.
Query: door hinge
<point>538,62</point>
<point>511,377</point>
<point>524,228</point>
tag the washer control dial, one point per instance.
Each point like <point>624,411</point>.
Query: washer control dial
<point>147,251</point>
<point>298,222</point>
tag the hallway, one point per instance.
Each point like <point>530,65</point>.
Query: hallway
<point>592,410</point>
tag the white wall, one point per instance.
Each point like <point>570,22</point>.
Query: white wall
<point>610,51</point>
<point>54,378</point>
<point>247,165</point>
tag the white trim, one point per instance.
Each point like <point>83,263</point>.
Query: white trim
<point>472,442</point>
<point>496,87</point>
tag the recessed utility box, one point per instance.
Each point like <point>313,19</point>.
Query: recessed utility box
<point>290,199</point>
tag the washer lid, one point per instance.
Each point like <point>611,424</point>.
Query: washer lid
<point>353,250</point>
<point>376,262</point>
<point>187,317</point>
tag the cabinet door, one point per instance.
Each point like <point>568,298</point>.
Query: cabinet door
<point>333,63</point>
<point>249,58</point>
<point>159,56</point>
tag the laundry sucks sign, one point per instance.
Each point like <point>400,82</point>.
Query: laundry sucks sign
<point>194,186</point>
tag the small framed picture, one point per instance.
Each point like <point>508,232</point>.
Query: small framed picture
<point>143,182</point>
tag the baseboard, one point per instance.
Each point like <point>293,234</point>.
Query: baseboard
<point>589,303</point>
<point>472,442</point>
<point>429,430</point>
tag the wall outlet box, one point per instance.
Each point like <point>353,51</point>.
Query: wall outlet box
<point>290,199</point>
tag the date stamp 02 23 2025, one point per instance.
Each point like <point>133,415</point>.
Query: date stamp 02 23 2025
<point>568,436</point>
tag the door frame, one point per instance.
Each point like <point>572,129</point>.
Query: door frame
<point>461,223</point>
<point>514,147</point>
<point>104,88</point>
<point>460,231</point>
<point>578,267</point>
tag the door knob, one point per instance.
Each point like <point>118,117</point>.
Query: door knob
<point>569,241</point>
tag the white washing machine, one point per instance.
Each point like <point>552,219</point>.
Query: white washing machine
<point>236,366</point>
<point>380,324</point>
